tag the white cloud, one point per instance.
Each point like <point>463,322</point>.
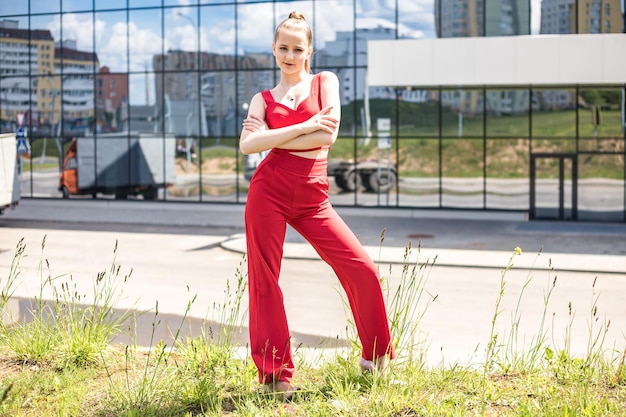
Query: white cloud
<point>404,30</point>
<point>256,28</point>
<point>78,27</point>
<point>145,44</point>
<point>110,40</point>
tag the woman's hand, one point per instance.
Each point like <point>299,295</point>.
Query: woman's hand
<point>254,123</point>
<point>323,121</point>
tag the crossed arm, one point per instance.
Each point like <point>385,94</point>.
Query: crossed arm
<point>320,130</point>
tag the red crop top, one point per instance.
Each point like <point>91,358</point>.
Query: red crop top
<point>278,115</point>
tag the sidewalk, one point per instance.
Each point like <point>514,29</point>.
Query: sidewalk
<point>455,238</point>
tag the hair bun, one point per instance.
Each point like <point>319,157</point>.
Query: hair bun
<point>296,15</point>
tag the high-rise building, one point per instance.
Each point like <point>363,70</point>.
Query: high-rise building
<point>581,16</point>
<point>42,79</point>
<point>26,69</point>
<point>77,69</point>
<point>111,100</point>
<point>206,104</point>
<point>468,18</point>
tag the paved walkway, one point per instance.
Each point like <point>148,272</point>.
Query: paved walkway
<point>455,238</point>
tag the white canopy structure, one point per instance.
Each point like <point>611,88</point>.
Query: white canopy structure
<point>534,60</point>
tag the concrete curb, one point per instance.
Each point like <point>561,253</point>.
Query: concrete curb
<point>462,258</point>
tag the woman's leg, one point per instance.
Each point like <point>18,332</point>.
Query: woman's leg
<point>265,233</point>
<point>357,273</point>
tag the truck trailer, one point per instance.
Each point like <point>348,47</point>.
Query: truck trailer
<point>122,164</point>
<point>10,172</point>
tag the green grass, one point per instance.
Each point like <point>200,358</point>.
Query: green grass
<point>62,362</point>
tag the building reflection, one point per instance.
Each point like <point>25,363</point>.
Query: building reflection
<point>147,70</point>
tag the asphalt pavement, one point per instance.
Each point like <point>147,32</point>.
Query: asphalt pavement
<point>178,249</point>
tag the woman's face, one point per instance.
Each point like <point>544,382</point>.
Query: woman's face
<point>291,50</point>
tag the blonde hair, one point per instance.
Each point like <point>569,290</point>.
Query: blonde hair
<point>296,21</point>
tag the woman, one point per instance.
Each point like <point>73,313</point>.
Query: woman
<point>298,121</point>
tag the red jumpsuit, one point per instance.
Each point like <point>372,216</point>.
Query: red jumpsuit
<point>289,189</point>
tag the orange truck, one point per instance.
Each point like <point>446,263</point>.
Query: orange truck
<point>122,164</point>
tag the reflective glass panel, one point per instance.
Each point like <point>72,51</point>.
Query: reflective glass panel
<point>507,17</point>
<point>48,105</point>
<point>78,42</point>
<point>462,173</point>
<point>76,61</point>
<point>76,6</point>
<point>462,113</point>
<point>419,112</point>
<point>218,97</point>
<point>334,31</point>
<point>358,171</point>
<point>111,40</point>
<point>355,113</point>
<point>143,114</point>
<point>217,37</point>
<point>601,188</point>
<point>14,101</point>
<point>44,134</point>
<point>142,89</point>
<point>367,29</point>
<point>18,60</point>
<point>121,4</point>
<point>601,145</point>
<point>18,103</point>
<point>458,18</point>
<point>112,112</point>
<point>219,170</point>
<point>181,35</point>
<point>418,170</point>
<point>255,34</point>
<point>146,40</point>
<point>178,2</point>
<point>554,186</point>
<point>553,113</point>
<point>543,145</point>
<point>507,174</point>
<point>507,113</point>
<point>376,117</point>
<point>378,171</point>
<point>44,32</point>
<point>601,112</point>
<point>12,7</point>
<point>142,3</point>
<point>44,6</point>
<point>416,19</point>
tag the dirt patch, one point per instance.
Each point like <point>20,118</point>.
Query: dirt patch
<point>209,166</point>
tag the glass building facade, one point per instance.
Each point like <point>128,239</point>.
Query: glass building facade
<point>180,74</point>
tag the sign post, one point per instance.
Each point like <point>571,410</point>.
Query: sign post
<point>383,126</point>
<point>22,144</point>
